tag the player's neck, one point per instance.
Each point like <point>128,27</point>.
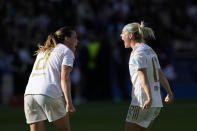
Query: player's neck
<point>134,45</point>
<point>70,47</point>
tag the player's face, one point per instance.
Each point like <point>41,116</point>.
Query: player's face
<point>74,38</point>
<point>73,41</point>
<point>125,37</point>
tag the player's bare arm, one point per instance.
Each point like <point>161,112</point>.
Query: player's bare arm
<point>164,82</point>
<point>66,87</point>
<point>145,84</point>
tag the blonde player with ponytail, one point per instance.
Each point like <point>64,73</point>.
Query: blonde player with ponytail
<point>146,76</point>
<point>50,81</point>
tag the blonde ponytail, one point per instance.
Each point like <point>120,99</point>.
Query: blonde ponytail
<point>54,39</point>
<point>140,28</point>
<point>50,43</point>
<point>140,31</point>
<point>146,32</point>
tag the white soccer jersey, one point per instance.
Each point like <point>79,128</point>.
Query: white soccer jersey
<point>45,77</point>
<point>143,56</point>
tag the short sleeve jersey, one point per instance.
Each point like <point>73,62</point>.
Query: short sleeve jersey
<point>45,77</point>
<point>143,56</point>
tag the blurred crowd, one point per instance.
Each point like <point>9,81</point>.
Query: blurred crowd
<point>101,67</point>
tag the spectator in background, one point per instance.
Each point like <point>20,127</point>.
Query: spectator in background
<point>21,67</point>
<point>31,20</point>
<point>76,80</point>
<point>6,76</point>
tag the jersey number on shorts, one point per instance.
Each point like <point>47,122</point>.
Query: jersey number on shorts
<point>45,59</point>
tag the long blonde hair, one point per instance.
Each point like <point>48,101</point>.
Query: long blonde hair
<point>140,32</point>
<point>55,38</point>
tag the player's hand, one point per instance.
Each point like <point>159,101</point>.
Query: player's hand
<point>147,104</point>
<point>169,98</point>
<point>70,108</point>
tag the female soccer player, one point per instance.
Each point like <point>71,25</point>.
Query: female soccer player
<point>146,76</point>
<point>50,81</point>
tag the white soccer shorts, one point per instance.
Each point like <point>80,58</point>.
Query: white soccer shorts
<point>142,117</point>
<point>40,107</point>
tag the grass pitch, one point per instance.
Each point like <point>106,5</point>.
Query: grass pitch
<point>109,116</point>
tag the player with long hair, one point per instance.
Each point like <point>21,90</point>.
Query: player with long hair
<point>48,92</point>
<point>146,76</point>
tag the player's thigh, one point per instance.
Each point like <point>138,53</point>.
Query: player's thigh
<point>147,129</point>
<point>37,126</point>
<point>63,124</point>
<point>132,127</point>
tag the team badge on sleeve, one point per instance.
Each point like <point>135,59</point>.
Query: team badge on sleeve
<point>134,61</point>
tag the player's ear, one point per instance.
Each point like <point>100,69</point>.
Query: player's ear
<point>131,36</point>
<point>66,38</point>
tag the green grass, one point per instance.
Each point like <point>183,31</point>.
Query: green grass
<point>109,116</point>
